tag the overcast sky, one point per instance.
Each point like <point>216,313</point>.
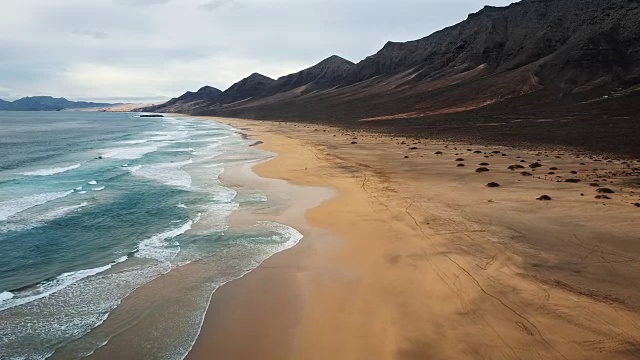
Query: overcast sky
<point>149,50</point>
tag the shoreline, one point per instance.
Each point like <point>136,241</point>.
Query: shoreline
<point>182,295</point>
<point>429,273</point>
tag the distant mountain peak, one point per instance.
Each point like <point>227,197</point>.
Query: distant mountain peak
<point>46,103</point>
<point>257,76</point>
<point>208,88</point>
<point>335,59</point>
<point>566,50</point>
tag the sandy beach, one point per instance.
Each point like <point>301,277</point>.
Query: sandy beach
<point>415,257</point>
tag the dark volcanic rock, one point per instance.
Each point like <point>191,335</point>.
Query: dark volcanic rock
<point>204,93</point>
<point>327,73</point>
<point>187,102</point>
<point>574,42</point>
<point>538,71</point>
<point>255,85</point>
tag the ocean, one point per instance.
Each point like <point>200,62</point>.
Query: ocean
<point>94,206</point>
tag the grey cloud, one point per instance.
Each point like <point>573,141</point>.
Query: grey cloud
<point>141,2</point>
<point>174,46</point>
<point>98,35</point>
<point>217,4</point>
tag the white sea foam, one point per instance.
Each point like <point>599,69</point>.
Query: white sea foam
<point>98,188</point>
<point>167,173</point>
<point>52,171</point>
<point>49,287</point>
<point>129,153</point>
<point>194,141</point>
<point>92,182</point>
<point>159,247</point>
<point>5,295</point>
<point>61,212</point>
<point>224,194</point>
<point>167,135</point>
<point>41,219</point>
<point>9,208</point>
<point>68,313</point>
<point>180,150</point>
<point>290,236</point>
<point>78,188</point>
<point>217,215</point>
<point>82,192</point>
<point>133,142</point>
<point>256,198</point>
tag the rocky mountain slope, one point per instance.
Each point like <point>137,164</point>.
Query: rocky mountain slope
<point>552,57</point>
<point>188,101</point>
<point>46,103</point>
<point>251,87</point>
<point>328,73</point>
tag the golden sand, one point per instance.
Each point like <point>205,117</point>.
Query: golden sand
<point>416,258</point>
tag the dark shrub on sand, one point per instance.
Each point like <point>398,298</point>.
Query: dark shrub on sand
<point>535,165</point>
<point>594,184</point>
<point>484,164</point>
<point>354,142</point>
<point>544,198</point>
<point>493,184</point>
<point>477,152</point>
<point>481,169</point>
<point>551,173</point>
<point>413,148</point>
<point>438,152</point>
<point>460,165</point>
<point>459,159</point>
<point>553,168</point>
<point>636,204</point>
<point>602,197</point>
<point>406,156</point>
<point>524,173</point>
<point>573,180</point>
<point>514,167</point>
<point>605,191</point>
<point>573,172</point>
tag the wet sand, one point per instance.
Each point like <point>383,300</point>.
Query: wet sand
<point>417,258</point>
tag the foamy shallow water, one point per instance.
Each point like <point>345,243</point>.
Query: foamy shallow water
<point>81,238</point>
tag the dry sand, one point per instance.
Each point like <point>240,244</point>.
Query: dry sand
<point>416,258</point>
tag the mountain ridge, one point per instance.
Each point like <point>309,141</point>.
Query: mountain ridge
<point>46,103</point>
<point>554,57</point>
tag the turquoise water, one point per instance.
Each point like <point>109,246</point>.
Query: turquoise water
<point>95,205</point>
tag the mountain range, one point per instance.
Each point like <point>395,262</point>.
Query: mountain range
<point>574,61</point>
<point>46,103</point>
